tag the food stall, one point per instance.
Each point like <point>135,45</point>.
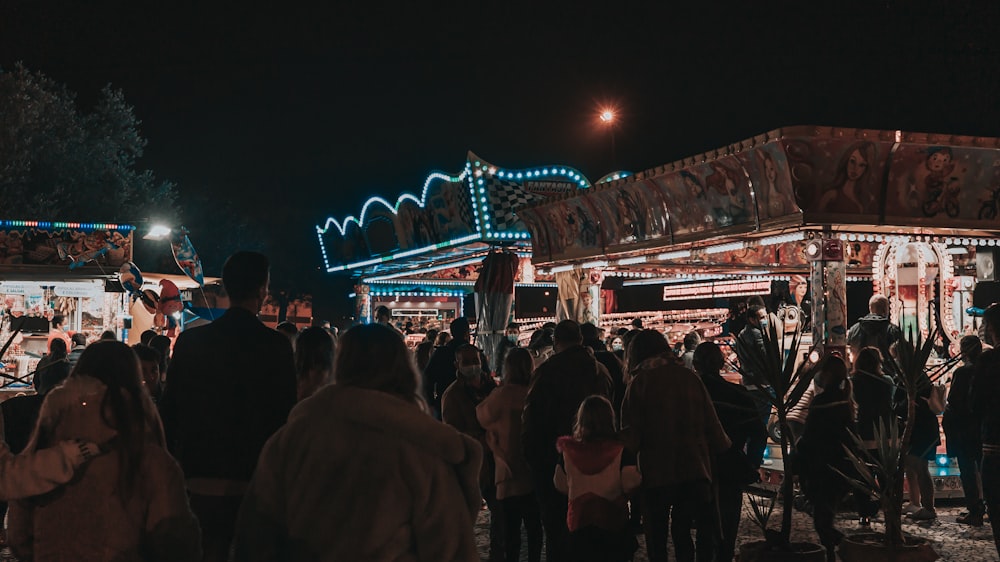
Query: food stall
<point>58,268</point>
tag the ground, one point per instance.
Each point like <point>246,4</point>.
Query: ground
<point>952,541</point>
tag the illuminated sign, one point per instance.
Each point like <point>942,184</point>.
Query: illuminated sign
<point>716,289</point>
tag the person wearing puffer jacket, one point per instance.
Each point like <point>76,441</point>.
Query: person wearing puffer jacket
<point>596,473</point>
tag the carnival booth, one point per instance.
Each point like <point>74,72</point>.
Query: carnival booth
<point>835,214</point>
<point>57,268</point>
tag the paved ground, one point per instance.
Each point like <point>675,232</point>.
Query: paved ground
<point>952,541</point>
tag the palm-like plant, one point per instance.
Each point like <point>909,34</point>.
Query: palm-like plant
<point>880,473</point>
<point>776,366</point>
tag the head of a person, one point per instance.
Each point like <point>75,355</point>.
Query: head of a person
<point>708,359</point>
<point>567,335</point>
<point>617,344</point>
<point>460,329</point>
<point>79,339</point>
<point>637,324</point>
<point>468,364</point>
<point>442,339</point>
<point>517,367</point>
<point>869,360</point>
<point>314,356</point>
<point>645,345</point>
<point>879,305</point>
<point>125,406</point>
<point>382,314</point>
<point>373,356</point>
<point>245,277</point>
<point>691,340</point>
<point>57,321</point>
<point>512,331</point>
<point>757,316</point>
<point>162,344</point>
<point>595,420</point>
<point>971,348</point>
<point>832,373</point>
<point>991,325</point>
<point>108,335</point>
<point>57,348</point>
<point>149,361</point>
<point>590,333</point>
<point>289,330</point>
<point>146,336</point>
<point>431,335</point>
<point>549,326</point>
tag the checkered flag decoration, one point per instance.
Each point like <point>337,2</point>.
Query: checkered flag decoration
<point>506,197</point>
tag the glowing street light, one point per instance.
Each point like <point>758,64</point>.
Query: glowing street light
<point>158,232</point>
<point>607,116</point>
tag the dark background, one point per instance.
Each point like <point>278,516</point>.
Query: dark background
<point>284,115</point>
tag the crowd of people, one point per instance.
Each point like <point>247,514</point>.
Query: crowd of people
<point>241,442</point>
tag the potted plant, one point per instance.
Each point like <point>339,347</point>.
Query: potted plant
<point>880,473</point>
<point>776,366</point>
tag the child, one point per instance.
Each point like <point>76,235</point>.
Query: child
<point>596,480</point>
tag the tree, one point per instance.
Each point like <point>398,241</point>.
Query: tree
<point>59,163</point>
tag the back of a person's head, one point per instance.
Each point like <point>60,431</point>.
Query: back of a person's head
<point>460,328</point>
<point>79,339</point>
<point>442,339</point>
<point>551,326</point>
<point>244,275</point>
<point>755,300</point>
<point>637,323</point>
<point>567,333</point>
<point>645,344</point>
<point>373,356</point>
<point>146,336</point>
<point>971,347</point>
<point>879,305</point>
<point>991,318</point>
<point>691,340</point>
<point>382,312</point>
<point>595,420</point>
<point>57,347</point>
<point>833,372</point>
<point>108,335</point>
<point>589,332</point>
<point>431,335</point>
<point>314,351</point>
<point>146,353</point>
<point>58,320</point>
<point>708,358</point>
<point>517,366</point>
<point>869,360</point>
<point>288,329</point>
<point>162,344</point>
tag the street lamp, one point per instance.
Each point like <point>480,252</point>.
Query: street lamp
<point>608,115</point>
<point>158,232</point>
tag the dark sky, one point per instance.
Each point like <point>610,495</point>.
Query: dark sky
<point>298,113</point>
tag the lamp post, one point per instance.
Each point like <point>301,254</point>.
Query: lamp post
<point>609,116</point>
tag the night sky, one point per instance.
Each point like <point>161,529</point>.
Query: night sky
<point>296,114</point>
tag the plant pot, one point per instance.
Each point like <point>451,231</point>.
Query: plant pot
<point>871,546</point>
<point>761,551</point>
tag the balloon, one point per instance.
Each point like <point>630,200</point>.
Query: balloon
<point>170,298</point>
<point>131,279</point>
<point>150,300</point>
<point>185,255</point>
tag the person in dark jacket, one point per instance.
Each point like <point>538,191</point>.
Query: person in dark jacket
<point>230,386</point>
<point>874,329</point>
<point>79,344</point>
<point>510,341</point>
<point>559,386</point>
<point>752,338</point>
<point>738,466</point>
<point>961,429</point>
<point>985,397</point>
<point>822,448</point>
<point>440,370</point>
<point>53,368</point>
<point>592,339</point>
<point>873,395</point>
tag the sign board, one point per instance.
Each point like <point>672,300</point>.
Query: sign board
<point>719,289</point>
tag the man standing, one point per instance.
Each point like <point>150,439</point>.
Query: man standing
<point>230,386</point>
<point>874,329</point>
<point>440,371</point>
<point>751,351</point>
<point>510,341</point>
<point>985,396</point>
<point>691,341</point>
<point>458,409</point>
<point>79,344</point>
<point>560,384</point>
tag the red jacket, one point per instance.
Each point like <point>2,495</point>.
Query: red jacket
<point>596,483</point>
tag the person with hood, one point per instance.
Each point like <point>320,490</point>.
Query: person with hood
<point>500,416</point>
<point>596,473</point>
<point>559,386</point>
<point>985,397</point>
<point>961,429</point>
<point>874,329</point>
<point>361,471</point>
<point>668,409</point>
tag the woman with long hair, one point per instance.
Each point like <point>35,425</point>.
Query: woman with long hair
<point>500,416</point>
<point>356,446</point>
<point>596,473</point>
<point>873,394</point>
<point>314,352</point>
<point>133,498</point>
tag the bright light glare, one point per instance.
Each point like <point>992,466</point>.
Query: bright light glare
<point>158,232</point>
<point>607,116</point>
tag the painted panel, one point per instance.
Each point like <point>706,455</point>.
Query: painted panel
<point>838,176</point>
